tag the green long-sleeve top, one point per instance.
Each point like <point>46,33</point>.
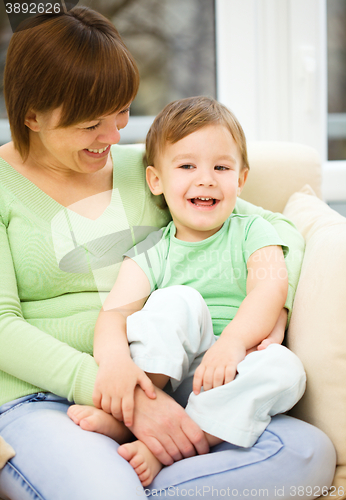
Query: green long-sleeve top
<point>57,267</point>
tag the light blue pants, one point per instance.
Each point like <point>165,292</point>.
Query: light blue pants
<point>170,336</point>
<point>57,460</point>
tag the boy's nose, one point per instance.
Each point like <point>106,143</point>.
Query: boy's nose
<point>206,180</point>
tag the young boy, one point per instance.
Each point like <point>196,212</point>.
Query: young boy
<point>196,152</point>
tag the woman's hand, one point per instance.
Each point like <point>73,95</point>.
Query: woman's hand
<point>164,426</point>
<point>219,364</point>
<point>114,388</point>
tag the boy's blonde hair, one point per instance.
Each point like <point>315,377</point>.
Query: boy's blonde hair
<point>180,118</point>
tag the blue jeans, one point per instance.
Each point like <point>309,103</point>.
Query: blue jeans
<point>56,460</point>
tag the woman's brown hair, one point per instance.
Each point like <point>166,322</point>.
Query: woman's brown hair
<point>76,61</point>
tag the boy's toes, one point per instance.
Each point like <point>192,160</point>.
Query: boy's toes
<point>126,451</point>
<point>75,412</point>
<point>146,478</point>
<point>87,424</point>
<point>141,468</point>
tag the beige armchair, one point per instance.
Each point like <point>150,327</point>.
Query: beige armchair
<point>286,177</point>
<point>280,173</point>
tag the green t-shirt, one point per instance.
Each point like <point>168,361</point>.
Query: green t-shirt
<point>216,266</point>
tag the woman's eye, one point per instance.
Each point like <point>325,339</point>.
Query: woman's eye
<point>93,127</point>
<point>124,111</point>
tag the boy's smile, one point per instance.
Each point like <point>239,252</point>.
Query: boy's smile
<point>200,176</point>
<point>204,202</point>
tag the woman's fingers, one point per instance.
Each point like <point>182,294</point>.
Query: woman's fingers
<point>160,451</point>
<point>165,428</point>
<point>97,398</point>
<point>195,435</point>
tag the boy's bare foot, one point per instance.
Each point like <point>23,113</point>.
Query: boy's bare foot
<point>145,464</point>
<point>95,420</point>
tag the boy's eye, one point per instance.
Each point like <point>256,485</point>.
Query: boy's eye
<point>186,166</point>
<point>221,167</point>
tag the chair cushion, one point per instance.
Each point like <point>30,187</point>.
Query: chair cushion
<point>317,332</point>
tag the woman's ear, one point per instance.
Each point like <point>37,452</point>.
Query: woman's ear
<point>31,121</point>
<point>153,180</point>
<point>242,179</point>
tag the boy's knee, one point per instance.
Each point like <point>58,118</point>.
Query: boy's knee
<point>289,367</point>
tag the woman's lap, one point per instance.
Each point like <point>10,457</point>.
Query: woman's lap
<point>56,460</point>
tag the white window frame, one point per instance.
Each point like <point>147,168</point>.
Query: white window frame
<point>272,72</point>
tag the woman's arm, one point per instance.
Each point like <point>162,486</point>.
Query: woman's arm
<point>33,356</point>
<point>291,236</point>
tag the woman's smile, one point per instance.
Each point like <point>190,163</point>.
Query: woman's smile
<point>98,153</point>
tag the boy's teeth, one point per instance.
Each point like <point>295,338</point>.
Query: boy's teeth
<point>203,201</point>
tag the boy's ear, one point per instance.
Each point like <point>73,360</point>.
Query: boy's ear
<point>153,180</point>
<point>31,121</point>
<point>242,179</point>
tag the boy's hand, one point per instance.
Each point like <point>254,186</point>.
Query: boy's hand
<point>114,388</point>
<point>219,364</point>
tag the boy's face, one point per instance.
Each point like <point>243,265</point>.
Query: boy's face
<point>200,177</point>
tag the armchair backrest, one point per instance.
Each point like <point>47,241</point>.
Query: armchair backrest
<point>279,169</point>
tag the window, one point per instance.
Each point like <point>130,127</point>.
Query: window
<point>336,23</point>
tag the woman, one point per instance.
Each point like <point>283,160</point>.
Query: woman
<point>70,205</point>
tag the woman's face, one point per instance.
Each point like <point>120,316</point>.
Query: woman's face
<point>82,148</point>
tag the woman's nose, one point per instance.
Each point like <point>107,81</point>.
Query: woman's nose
<point>110,135</point>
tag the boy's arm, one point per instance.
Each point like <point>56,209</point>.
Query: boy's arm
<point>290,235</point>
<point>277,335</point>
<point>256,317</point>
<point>127,296</point>
<point>118,375</point>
